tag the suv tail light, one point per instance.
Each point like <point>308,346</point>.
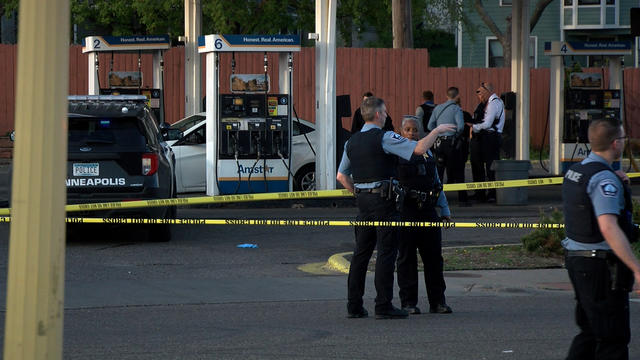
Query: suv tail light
<point>149,164</point>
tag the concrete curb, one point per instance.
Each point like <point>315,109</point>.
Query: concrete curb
<point>337,262</point>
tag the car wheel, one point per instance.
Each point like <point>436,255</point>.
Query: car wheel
<point>305,179</point>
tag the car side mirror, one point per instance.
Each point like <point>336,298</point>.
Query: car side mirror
<point>12,136</point>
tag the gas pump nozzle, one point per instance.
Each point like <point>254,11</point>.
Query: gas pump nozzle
<point>234,140</point>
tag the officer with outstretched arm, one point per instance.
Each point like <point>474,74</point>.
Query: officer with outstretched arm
<point>601,265</point>
<point>367,169</point>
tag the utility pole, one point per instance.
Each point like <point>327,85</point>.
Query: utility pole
<point>402,28</point>
<point>35,280</point>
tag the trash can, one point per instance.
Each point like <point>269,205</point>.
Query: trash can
<point>511,170</point>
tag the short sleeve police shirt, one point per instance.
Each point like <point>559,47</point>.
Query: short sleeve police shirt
<point>605,190</point>
<point>392,143</point>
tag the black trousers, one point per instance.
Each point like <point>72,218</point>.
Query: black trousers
<point>450,158</point>
<point>428,241</point>
<point>485,149</point>
<point>601,313</point>
<point>372,207</point>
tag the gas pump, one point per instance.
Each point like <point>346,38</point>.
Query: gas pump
<point>587,98</point>
<point>128,82</point>
<point>249,129</point>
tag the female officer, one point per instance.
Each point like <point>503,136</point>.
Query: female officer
<point>423,189</point>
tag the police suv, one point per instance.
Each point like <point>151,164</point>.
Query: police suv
<point>116,152</point>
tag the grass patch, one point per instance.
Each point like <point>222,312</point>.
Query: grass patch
<point>489,258</point>
<point>496,257</point>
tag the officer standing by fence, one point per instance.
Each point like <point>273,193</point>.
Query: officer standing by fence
<point>367,169</point>
<point>599,259</point>
<point>488,134</point>
<point>357,122</point>
<point>448,146</point>
<point>423,188</point>
<point>424,110</point>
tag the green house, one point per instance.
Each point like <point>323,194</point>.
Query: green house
<point>562,20</point>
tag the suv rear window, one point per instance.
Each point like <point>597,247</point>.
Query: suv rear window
<point>106,132</point>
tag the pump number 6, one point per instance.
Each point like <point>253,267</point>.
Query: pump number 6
<point>218,44</point>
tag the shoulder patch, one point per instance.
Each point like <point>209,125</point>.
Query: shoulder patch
<point>608,188</point>
<point>396,136</point>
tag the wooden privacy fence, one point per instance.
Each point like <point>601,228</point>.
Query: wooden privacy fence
<point>397,75</point>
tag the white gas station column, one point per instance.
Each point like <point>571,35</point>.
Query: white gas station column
<point>556,116</point>
<point>211,105</point>
<point>94,82</point>
<point>520,75</point>
<point>326,166</point>
<point>192,29</point>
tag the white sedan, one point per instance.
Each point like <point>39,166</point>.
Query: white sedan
<point>190,153</point>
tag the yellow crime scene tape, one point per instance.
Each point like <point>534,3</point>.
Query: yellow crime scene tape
<point>300,222</point>
<point>219,199</point>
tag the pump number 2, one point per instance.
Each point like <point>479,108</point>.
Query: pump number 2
<point>96,44</point>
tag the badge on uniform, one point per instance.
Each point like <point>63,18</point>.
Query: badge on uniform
<point>396,136</point>
<point>609,188</point>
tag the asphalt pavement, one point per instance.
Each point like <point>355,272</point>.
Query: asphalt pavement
<point>201,297</point>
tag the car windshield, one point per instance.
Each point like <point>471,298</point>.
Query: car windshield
<point>299,128</point>
<point>186,123</point>
<point>106,132</point>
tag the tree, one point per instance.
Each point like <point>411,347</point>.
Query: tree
<point>145,17</point>
<point>258,17</point>
<point>505,37</point>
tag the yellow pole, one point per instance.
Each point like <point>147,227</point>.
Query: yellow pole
<point>35,287</point>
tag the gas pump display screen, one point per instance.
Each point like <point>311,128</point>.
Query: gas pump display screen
<point>253,126</point>
<point>584,105</point>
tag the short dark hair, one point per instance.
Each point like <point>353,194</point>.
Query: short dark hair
<point>602,132</point>
<point>427,95</point>
<point>367,94</point>
<point>370,106</point>
<point>452,92</point>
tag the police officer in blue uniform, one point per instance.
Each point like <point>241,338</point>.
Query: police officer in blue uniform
<point>367,169</point>
<point>601,265</point>
<point>423,188</point>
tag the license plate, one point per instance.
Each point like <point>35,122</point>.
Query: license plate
<point>86,169</point>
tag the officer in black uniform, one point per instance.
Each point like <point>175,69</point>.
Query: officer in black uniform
<point>423,188</point>
<point>489,134</point>
<point>370,156</point>
<point>475,149</point>
<point>601,265</point>
<point>357,121</point>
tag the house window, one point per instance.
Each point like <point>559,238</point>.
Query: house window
<point>495,52</point>
<point>588,2</point>
<point>590,14</point>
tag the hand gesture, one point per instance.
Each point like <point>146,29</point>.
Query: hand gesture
<point>443,128</point>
